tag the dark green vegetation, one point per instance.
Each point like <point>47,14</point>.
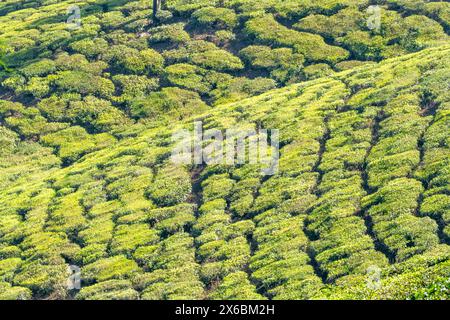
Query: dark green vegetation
<point>86,121</point>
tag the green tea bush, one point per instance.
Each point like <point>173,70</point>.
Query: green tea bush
<point>188,76</point>
<point>98,231</point>
<point>266,29</point>
<point>128,237</point>
<point>74,142</point>
<point>134,61</point>
<point>240,88</point>
<point>134,85</point>
<point>173,270</point>
<point>217,187</point>
<point>175,102</point>
<point>41,68</point>
<point>283,64</point>
<point>283,271</point>
<point>9,292</point>
<point>114,267</point>
<point>219,60</point>
<point>394,222</point>
<point>339,24</point>
<point>317,71</point>
<point>43,278</point>
<point>172,186</point>
<point>90,48</point>
<point>173,33</point>
<point>221,18</point>
<point>68,81</point>
<point>109,290</point>
<point>236,286</point>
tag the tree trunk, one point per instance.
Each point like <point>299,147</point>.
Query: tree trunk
<point>156,8</point>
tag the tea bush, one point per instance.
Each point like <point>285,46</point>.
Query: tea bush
<point>267,30</point>
<point>221,18</point>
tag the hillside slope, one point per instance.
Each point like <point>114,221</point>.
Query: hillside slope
<point>363,184</point>
<point>198,52</point>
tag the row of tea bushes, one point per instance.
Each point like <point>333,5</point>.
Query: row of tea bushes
<point>391,163</point>
<point>223,249</point>
<point>282,262</point>
<point>434,166</point>
<point>343,246</point>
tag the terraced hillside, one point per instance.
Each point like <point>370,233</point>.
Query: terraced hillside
<point>202,50</point>
<point>86,122</point>
<point>363,182</point>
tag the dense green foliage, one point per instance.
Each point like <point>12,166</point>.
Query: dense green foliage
<point>87,115</point>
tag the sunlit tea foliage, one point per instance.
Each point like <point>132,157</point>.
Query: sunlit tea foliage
<point>86,120</point>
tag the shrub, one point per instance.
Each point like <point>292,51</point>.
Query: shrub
<point>111,19</point>
<point>439,290</point>
<point>283,64</point>
<point>114,267</point>
<point>339,24</point>
<point>41,68</point>
<point>69,81</point>
<point>217,187</point>
<point>67,215</point>
<point>221,18</point>
<point>174,272</point>
<point>37,87</point>
<point>408,235</point>
<point>8,267</point>
<point>130,60</point>
<point>97,231</point>
<point>172,186</point>
<point>109,290</point>
<point>421,31</point>
<point>8,292</point>
<point>134,85</point>
<point>128,237</point>
<point>391,167</point>
<point>350,64</point>
<point>174,102</point>
<point>172,33</point>
<point>363,46</point>
<point>266,29</point>
<point>317,71</point>
<point>3,51</point>
<point>241,88</point>
<point>91,48</point>
<point>188,76</point>
<point>91,253</point>
<point>96,114</point>
<point>172,219</point>
<point>236,286</point>
<point>219,60</point>
<point>74,142</point>
<point>224,36</point>
<point>8,140</point>
<point>29,123</point>
<point>78,62</point>
<point>43,279</point>
<point>223,257</point>
<point>437,206</point>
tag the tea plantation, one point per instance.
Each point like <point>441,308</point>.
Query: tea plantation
<point>360,206</point>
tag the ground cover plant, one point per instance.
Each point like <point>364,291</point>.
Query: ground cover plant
<point>87,114</point>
